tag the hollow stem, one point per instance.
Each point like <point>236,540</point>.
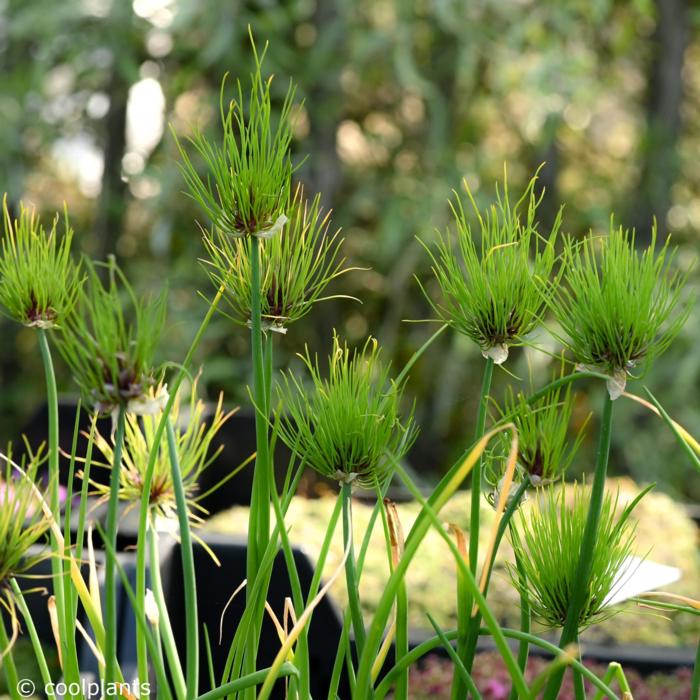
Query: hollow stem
<point>583,570</point>
<point>476,474</point>
<point>523,645</point>
<point>259,518</point>
<point>110,563</point>
<point>358,624</point>
<point>54,502</point>
<point>34,637</point>
<point>164,626</point>
<point>427,646</point>
<point>260,500</point>
<point>141,548</point>
<point>475,621</point>
<point>465,601</point>
<point>188,573</point>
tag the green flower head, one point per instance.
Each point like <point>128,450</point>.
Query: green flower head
<point>245,188</point>
<point>109,341</point>
<point>23,522</point>
<point>494,291</point>
<point>347,426</point>
<point>296,266</point>
<point>620,307</point>
<point>39,280</point>
<point>193,445</point>
<point>547,541</point>
<point>544,449</point>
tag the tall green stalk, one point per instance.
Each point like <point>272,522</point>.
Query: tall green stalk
<point>475,621</point>
<point>583,572</point>
<point>34,637</point>
<point>465,601</point>
<point>358,624</point>
<point>189,578</point>
<point>259,525</point>
<point>164,625</point>
<point>142,545</point>
<point>67,640</point>
<point>110,611</point>
<point>52,404</point>
<point>259,520</point>
<point>523,646</point>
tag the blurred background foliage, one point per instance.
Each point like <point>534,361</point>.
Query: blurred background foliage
<point>401,101</point>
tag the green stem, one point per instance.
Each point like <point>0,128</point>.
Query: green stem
<point>34,637</point>
<point>142,623</point>
<point>583,570</point>
<point>358,624</point>
<point>343,652</point>
<point>71,666</point>
<point>465,601</point>
<point>260,503</point>
<point>110,568</point>
<point>579,686</point>
<point>250,680</point>
<point>430,644</point>
<point>164,626</point>
<point>523,646</point>
<point>142,547</point>
<point>339,658</point>
<point>8,664</point>
<point>402,644</point>
<point>301,655</point>
<point>418,531</point>
<point>54,502</point>
<point>302,660</point>
<point>259,518</point>
<point>474,517</point>
<point>459,666</point>
<point>189,578</point>
<point>239,648</point>
<point>475,622</point>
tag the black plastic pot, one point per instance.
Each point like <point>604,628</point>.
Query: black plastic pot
<point>214,588</point>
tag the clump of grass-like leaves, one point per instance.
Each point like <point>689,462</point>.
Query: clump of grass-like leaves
<point>23,523</point>
<point>193,445</point>
<point>620,307</point>
<point>544,449</point>
<point>247,185</point>
<point>109,344</point>
<point>39,280</point>
<point>295,267</point>
<point>547,542</point>
<point>348,426</point>
<point>494,283</point>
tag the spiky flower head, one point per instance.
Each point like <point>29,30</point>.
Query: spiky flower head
<point>245,188</point>
<point>347,426</point>
<point>194,443</point>
<point>296,266</point>
<point>109,341</point>
<point>544,449</point>
<point>39,280</point>
<point>547,541</point>
<point>620,307</point>
<point>494,283</point>
<point>23,522</point>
